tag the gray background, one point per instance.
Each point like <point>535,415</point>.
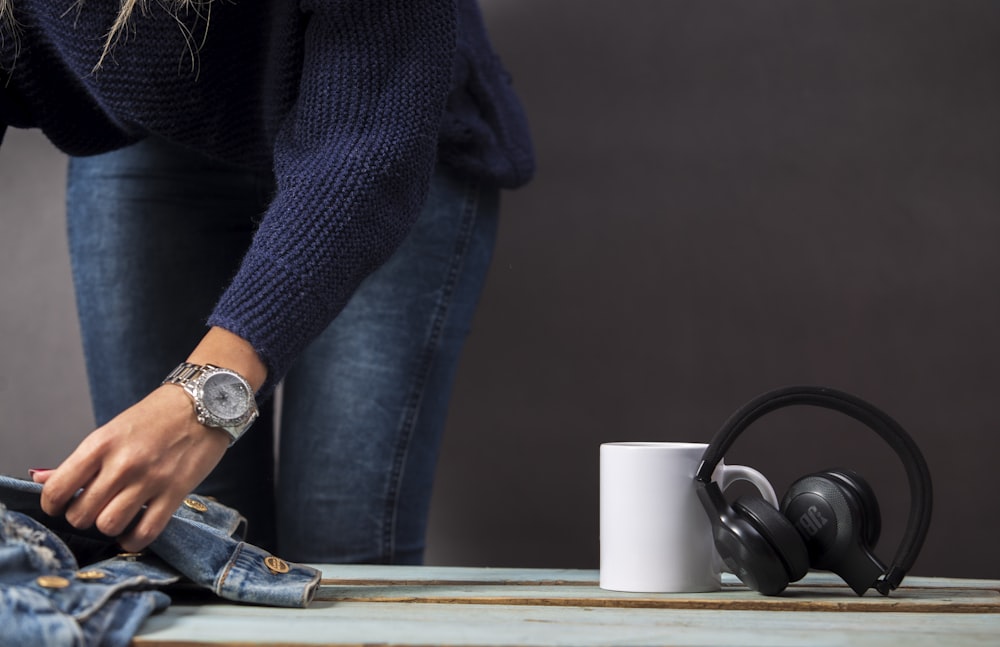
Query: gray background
<point>732,196</point>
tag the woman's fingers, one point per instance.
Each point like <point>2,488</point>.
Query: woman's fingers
<point>152,523</point>
<point>63,483</point>
<point>153,455</point>
<point>39,474</point>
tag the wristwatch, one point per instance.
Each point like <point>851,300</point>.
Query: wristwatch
<point>222,398</point>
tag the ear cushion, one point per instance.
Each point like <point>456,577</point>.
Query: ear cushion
<point>746,552</point>
<point>778,532</point>
<point>865,498</point>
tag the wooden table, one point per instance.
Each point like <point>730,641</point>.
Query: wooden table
<point>397,605</point>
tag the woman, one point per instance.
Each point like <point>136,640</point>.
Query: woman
<point>318,182</point>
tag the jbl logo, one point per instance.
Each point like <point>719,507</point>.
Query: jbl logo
<point>811,522</point>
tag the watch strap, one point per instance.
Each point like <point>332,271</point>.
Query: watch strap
<point>187,375</point>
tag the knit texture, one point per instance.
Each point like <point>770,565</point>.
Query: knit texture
<point>350,104</point>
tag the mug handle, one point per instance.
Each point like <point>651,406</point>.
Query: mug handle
<point>732,473</point>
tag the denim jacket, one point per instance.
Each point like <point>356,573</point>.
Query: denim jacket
<point>63,586</point>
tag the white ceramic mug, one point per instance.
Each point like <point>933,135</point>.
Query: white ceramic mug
<point>655,534</point>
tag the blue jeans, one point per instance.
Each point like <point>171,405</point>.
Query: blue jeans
<point>155,234</point>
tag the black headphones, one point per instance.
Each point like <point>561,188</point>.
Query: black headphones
<point>829,520</point>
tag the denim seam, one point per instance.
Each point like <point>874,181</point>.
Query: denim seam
<point>221,582</point>
<point>412,409</point>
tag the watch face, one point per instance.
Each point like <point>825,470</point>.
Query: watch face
<point>225,396</point>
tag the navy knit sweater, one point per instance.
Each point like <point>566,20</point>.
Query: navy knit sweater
<point>349,102</point>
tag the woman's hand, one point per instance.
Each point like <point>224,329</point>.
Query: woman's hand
<point>153,454</point>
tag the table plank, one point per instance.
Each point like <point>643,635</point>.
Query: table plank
<point>391,605</point>
<point>367,573</point>
<point>796,598</point>
<point>401,624</point>
<point>817,592</point>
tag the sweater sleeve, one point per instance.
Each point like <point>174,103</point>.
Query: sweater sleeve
<point>352,161</point>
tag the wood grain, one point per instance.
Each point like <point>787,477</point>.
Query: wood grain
<point>795,598</point>
<point>462,607</point>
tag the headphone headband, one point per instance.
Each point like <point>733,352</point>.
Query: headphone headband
<point>875,419</point>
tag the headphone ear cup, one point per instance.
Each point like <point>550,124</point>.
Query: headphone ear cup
<point>778,532</point>
<point>741,544</point>
<point>871,514</point>
<point>836,521</point>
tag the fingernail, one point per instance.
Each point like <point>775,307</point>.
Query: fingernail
<point>35,470</point>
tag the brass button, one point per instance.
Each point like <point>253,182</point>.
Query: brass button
<point>91,575</point>
<point>276,565</point>
<point>195,505</point>
<point>52,582</point>
<point>130,557</point>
